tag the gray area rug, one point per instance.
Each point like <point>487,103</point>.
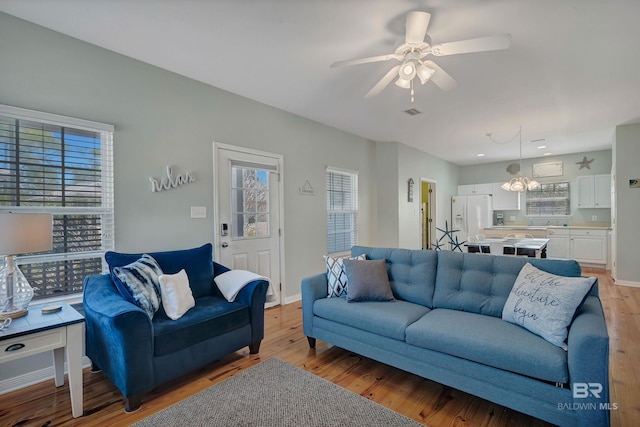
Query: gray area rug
<point>275,393</point>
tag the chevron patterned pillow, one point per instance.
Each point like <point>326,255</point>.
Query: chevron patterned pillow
<point>336,276</point>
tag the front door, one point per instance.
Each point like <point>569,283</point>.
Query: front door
<point>248,212</point>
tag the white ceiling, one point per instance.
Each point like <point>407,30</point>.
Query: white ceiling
<point>571,74</point>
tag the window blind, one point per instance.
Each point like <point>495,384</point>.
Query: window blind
<point>62,166</point>
<point>552,199</point>
<point>342,210</point>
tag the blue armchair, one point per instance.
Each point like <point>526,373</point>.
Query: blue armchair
<point>138,353</point>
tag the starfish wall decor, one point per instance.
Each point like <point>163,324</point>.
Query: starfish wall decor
<point>438,245</point>
<point>585,163</point>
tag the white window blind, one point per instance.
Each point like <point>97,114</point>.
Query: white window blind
<point>552,199</point>
<point>342,210</point>
<point>62,166</point>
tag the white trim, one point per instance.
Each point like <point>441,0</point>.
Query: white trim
<point>34,377</point>
<point>293,298</point>
<point>23,113</point>
<point>279,160</point>
<point>341,170</point>
<point>627,283</point>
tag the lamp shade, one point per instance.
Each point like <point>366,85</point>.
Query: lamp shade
<point>25,233</point>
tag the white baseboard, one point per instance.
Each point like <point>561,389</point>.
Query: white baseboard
<point>627,283</point>
<point>292,298</point>
<point>34,377</point>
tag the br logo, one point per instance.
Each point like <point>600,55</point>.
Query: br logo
<point>584,390</point>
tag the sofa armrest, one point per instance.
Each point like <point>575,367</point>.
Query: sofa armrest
<point>254,296</point>
<point>588,361</point>
<point>119,336</point>
<point>313,288</point>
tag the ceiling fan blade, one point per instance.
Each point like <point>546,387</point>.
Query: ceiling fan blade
<point>481,44</point>
<point>370,59</point>
<point>383,82</point>
<point>416,26</point>
<point>441,78</point>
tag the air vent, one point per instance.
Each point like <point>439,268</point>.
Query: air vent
<point>412,112</point>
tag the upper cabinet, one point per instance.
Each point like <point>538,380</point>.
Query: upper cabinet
<point>472,189</point>
<point>594,191</point>
<point>504,200</point>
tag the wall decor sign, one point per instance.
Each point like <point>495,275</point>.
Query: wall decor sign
<point>171,181</point>
<point>634,183</point>
<point>541,170</point>
<point>410,190</point>
<point>307,189</point>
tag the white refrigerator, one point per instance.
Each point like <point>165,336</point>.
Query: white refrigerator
<point>470,214</point>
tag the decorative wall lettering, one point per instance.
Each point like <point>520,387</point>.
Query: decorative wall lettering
<point>169,182</point>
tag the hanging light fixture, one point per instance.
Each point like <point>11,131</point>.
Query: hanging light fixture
<point>411,68</point>
<point>520,183</point>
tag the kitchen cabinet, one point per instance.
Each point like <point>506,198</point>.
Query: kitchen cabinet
<point>504,200</point>
<point>589,246</point>
<point>594,191</point>
<point>473,189</point>
<point>558,246</point>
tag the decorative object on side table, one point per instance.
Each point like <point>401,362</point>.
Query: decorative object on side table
<point>20,234</point>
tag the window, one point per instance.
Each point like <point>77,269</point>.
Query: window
<point>549,200</point>
<point>62,166</point>
<point>250,201</point>
<point>342,210</point>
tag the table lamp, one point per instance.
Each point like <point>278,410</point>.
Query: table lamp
<point>20,234</point>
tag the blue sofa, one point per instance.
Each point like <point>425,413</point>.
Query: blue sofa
<point>446,325</point>
<point>138,353</point>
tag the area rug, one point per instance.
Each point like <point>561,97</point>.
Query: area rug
<point>275,393</point>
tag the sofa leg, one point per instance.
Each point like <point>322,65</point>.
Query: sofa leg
<point>132,403</point>
<point>95,368</point>
<point>312,342</point>
<point>254,348</point>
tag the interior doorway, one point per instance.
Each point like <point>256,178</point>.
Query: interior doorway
<point>427,212</point>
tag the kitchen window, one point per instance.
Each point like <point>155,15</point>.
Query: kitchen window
<point>62,166</point>
<point>551,199</point>
<point>342,210</point>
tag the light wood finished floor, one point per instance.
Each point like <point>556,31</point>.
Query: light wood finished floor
<point>423,400</point>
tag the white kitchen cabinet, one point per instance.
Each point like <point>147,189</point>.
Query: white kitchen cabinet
<point>559,243</point>
<point>594,191</point>
<point>504,200</point>
<point>472,189</point>
<point>589,246</point>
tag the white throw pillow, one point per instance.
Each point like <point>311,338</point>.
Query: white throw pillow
<point>336,276</point>
<point>177,298</point>
<point>545,303</point>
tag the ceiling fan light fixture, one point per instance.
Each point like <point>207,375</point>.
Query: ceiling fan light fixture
<point>407,70</point>
<point>403,83</point>
<point>424,73</point>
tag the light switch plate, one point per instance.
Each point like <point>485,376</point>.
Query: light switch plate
<point>198,211</point>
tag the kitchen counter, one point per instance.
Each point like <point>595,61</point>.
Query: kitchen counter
<point>546,227</point>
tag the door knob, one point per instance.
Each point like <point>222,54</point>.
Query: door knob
<point>225,245</point>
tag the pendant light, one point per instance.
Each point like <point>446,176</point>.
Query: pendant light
<point>521,183</point>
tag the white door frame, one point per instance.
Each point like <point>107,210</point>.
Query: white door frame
<point>432,207</point>
<point>216,220</point>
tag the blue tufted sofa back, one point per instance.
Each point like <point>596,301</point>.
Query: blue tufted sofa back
<point>412,273</point>
<point>475,283</point>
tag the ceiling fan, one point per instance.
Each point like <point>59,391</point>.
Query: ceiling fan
<point>416,47</point>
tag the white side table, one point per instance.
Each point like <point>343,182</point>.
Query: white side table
<point>37,332</point>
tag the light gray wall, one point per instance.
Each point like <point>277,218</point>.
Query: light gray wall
<point>163,119</point>
<point>627,204</point>
<point>496,172</point>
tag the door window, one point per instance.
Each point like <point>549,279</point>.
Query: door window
<point>249,202</point>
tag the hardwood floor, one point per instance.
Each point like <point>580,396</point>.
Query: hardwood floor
<point>423,400</point>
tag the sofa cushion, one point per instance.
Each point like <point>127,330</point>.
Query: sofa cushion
<point>212,316</point>
<point>177,298</point>
<point>389,319</point>
<point>139,283</point>
<point>368,280</point>
<point>197,262</point>
<point>490,341</point>
<point>480,283</point>
<point>412,273</point>
<point>545,303</point>
<point>336,276</point>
